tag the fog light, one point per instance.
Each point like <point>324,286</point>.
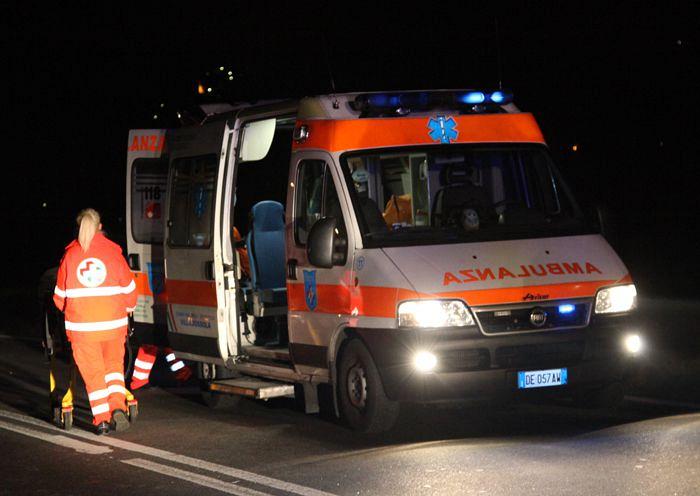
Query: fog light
<point>633,343</point>
<point>424,361</point>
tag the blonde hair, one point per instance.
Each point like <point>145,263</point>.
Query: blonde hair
<point>89,222</point>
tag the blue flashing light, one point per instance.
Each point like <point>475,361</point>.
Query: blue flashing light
<point>498,97</point>
<point>472,97</point>
<point>382,100</point>
<point>405,102</point>
<point>566,308</point>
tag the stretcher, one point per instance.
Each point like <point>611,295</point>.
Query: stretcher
<point>58,353</point>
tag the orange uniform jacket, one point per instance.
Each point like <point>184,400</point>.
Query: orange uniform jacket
<point>95,290</point>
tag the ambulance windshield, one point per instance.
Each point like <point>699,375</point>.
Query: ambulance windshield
<point>457,193</point>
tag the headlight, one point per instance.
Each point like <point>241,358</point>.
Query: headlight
<point>434,313</point>
<point>616,299</point>
<point>633,344</point>
<point>424,361</point>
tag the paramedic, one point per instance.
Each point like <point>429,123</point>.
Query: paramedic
<point>95,290</point>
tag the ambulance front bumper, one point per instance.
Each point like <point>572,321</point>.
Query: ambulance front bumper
<point>470,365</point>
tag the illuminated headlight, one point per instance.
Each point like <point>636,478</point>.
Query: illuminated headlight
<point>616,299</point>
<point>434,313</point>
<point>424,361</point>
<point>633,343</point>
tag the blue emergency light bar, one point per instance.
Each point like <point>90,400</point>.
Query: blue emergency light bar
<point>401,103</point>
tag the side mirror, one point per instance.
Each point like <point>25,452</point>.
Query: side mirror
<point>602,219</point>
<point>324,248</point>
<point>607,224</point>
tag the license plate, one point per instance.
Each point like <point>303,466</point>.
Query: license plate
<point>542,378</point>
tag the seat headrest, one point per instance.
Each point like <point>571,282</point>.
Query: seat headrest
<point>267,216</point>
<point>457,174</point>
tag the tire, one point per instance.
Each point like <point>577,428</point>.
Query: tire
<point>363,403</point>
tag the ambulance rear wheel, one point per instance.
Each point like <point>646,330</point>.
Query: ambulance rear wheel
<point>361,397</point>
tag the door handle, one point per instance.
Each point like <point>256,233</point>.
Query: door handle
<point>292,269</point>
<point>209,270</point>
<point>134,262</point>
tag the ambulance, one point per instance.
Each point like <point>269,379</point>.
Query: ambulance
<point>367,250</point>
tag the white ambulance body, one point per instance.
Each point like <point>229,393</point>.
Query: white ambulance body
<point>146,187</point>
<point>403,247</point>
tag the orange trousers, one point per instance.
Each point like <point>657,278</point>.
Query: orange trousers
<point>101,364</point>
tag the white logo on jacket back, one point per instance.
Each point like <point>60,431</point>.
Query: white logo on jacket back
<point>91,272</point>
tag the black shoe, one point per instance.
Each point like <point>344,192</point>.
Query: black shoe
<point>120,422</point>
<point>102,429</point>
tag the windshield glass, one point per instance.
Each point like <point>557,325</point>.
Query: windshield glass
<point>459,193</point>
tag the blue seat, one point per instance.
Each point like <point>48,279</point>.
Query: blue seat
<point>266,252</point>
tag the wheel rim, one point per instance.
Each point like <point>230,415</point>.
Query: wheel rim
<point>357,386</point>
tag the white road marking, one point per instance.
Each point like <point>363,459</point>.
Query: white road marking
<point>202,480</point>
<point>66,442</point>
<point>181,459</point>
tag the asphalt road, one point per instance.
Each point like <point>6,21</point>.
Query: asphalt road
<point>178,446</point>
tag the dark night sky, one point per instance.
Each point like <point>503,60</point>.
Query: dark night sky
<point>616,81</point>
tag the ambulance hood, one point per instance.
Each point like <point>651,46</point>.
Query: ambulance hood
<point>496,272</point>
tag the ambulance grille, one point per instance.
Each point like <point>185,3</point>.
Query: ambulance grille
<point>511,319</point>
<point>462,360</point>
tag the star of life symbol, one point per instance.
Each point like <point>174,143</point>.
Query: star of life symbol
<point>91,272</point>
<point>442,129</point>
<point>310,289</point>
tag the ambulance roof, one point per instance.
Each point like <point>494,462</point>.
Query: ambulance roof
<point>405,103</point>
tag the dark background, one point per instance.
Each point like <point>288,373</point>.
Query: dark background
<point>616,81</point>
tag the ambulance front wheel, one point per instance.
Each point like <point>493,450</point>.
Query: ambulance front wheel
<point>361,397</point>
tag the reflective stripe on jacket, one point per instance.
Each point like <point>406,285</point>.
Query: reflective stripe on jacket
<point>95,289</point>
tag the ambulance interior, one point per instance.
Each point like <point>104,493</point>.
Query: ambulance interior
<point>460,192</point>
<point>258,236</point>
